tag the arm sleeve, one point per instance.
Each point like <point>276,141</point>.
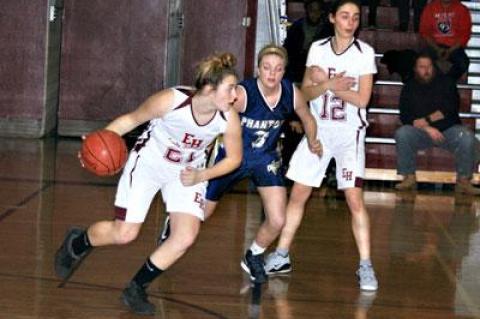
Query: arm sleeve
<point>406,116</point>
<point>464,26</point>
<point>426,23</point>
<point>451,104</point>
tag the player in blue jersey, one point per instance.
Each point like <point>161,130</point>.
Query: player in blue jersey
<point>264,103</point>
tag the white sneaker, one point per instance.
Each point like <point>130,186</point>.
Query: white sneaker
<point>367,279</point>
<point>277,264</point>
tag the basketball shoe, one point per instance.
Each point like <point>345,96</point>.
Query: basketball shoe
<point>65,259</point>
<point>277,264</point>
<point>136,299</point>
<point>254,266</point>
<point>366,278</point>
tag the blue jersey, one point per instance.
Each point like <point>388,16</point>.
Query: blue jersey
<point>262,125</point>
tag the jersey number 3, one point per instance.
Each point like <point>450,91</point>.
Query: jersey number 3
<point>333,108</point>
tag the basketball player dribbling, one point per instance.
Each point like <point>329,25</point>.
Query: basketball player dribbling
<point>168,157</point>
<point>338,83</point>
<point>264,103</point>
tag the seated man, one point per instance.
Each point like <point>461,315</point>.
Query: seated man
<point>446,27</point>
<point>429,105</point>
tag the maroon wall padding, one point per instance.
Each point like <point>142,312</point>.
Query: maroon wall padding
<point>212,26</point>
<point>23,31</point>
<point>113,56</point>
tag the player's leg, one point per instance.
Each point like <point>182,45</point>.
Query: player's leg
<point>350,161</point>
<point>361,233</point>
<point>186,205</point>
<point>184,229</point>
<point>279,260</point>
<point>134,195</point>
<point>274,201</point>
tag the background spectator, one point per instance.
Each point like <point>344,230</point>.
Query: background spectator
<point>429,105</point>
<point>446,27</point>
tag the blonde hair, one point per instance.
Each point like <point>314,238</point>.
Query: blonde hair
<point>214,69</point>
<point>272,49</point>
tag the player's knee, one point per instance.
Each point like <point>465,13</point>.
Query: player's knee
<point>277,222</point>
<point>185,240</point>
<point>125,236</point>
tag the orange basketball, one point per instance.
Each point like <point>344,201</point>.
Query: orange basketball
<point>103,152</point>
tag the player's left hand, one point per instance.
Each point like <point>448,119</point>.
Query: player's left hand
<point>190,176</point>
<point>315,147</point>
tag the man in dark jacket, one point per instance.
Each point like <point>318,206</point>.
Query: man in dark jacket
<point>429,105</point>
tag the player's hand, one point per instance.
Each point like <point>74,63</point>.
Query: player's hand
<point>340,82</point>
<point>435,134</point>
<point>317,75</point>
<point>315,146</point>
<point>190,176</point>
<point>296,127</point>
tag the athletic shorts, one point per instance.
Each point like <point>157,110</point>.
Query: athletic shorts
<point>141,180</point>
<point>347,146</point>
<point>263,169</point>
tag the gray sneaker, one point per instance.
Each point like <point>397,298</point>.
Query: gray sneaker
<point>277,264</point>
<point>366,278</point>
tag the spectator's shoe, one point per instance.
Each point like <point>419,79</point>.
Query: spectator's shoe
<point>65,259</point>
<point>136,299</point>
<point>277,264</point>
<point>165,231</point>
<point>254,266</point>
<point>465,187</point>
<point>408,183</point>
<point>366,278</point>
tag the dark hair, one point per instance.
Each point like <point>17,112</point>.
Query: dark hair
<point>214,69</point>
<point>423,54</point>
<point>338,3</point>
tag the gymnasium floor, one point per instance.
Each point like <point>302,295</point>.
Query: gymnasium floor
<point>426,249</point>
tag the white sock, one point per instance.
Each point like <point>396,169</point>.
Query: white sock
<point>256,250</point>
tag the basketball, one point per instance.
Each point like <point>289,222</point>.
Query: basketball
<point>103,153</point>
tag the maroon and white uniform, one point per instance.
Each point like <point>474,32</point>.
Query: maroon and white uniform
<point>168,146</point>
<point>341,125</point>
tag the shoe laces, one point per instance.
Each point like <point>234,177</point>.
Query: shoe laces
<point>366,273</point>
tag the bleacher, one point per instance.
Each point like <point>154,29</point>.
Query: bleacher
<point>434,165</point>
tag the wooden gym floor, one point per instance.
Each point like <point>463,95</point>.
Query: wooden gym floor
<point>426,250</point>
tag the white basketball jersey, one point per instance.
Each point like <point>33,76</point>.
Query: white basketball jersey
<point>357,60</point>
<point>177,138</point>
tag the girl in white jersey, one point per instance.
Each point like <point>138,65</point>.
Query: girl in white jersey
<point>338,83</point>
<point>170,157</point>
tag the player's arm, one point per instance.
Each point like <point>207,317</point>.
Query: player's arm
<point>316,82</point>
<point>232,141</point>
<point>312,89</point>
<point>308,122</point>
<point>240,103</point>
<point>155,106</point>
<point>361,97</point>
